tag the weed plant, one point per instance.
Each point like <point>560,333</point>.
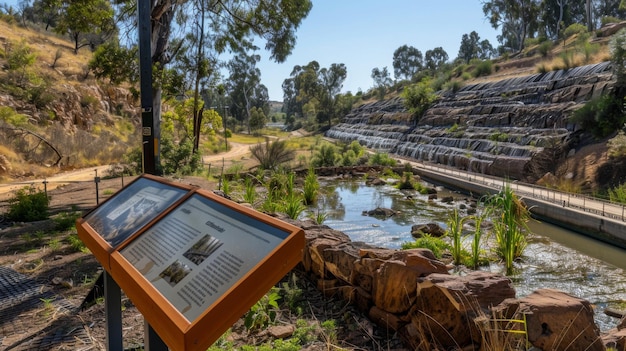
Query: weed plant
<point>407,182</point>
<point>318,216</point>
<point>475,257</point>
<point>437,245</point>
<point>264,312</point>
<point>76,244</point>
<point>311,187</point>
<point>250,191</point>
<point>66,220</point>
<point>509,226</point>
<point>226,186</point>
<point>455,232</point>
<point>293,206</point>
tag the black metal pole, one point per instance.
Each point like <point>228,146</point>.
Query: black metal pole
<point>148,132</point>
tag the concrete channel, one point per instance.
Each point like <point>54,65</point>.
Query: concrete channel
<point>595,218</point>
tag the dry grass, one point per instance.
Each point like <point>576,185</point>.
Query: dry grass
<point>46,44</point>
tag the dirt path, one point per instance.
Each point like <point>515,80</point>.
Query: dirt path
<point>55,181</point>
<point>236,151</point>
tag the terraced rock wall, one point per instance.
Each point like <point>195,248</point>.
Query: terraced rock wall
<point>516,128</point>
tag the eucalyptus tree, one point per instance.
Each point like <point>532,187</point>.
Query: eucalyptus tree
<point>245,88</point>
<point>609,8</point>
<point>313,91</point>
<point>382,81</point>
<point>302,91</point>
<point>473,48</point>
<point>435,58</point>
<point>407,61</point>
<point>516,18</point>
<point>232,24</point>
<point>556,15</point>
<point>81,17</point>
<point>46,11</point>
<point>331,80</point>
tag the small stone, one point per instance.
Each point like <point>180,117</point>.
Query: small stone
<point>281,331</point>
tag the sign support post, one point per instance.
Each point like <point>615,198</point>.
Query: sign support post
<point>148,125</point>
<point>113,311</point>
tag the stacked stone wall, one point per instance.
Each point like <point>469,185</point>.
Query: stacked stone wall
<point>414,294</point>
<point>506,128</point>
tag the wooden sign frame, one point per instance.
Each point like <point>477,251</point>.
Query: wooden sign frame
<point>198,264</point>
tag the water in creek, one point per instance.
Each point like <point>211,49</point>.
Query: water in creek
<point>555,258</point>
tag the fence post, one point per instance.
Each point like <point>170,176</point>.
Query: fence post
<point>45,188</point>
<point>96,180</point>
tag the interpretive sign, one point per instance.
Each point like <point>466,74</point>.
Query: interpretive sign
<point>123,214</point>
<point>197,264</point>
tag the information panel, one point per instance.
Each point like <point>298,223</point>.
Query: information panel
<point>129,210</point>
<point>193,255</point>
<point>191,261</point>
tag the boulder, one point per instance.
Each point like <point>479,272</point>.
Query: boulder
<point>5,165</point>
<point>434,229</point>
<point>447,199</point>
<point>447,305</point>
<point>319,240</point>
<point>380,212</point>
<point>340,259</point>
<point>376,182</point>
<point>555,320</point>
<point>395,282</point>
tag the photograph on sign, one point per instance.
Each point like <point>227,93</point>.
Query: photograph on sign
<point>195,253</point>
<point>128,211</point>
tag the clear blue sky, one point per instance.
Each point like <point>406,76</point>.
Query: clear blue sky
<point>364,34</point>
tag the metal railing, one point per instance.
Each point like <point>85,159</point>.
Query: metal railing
<point>584,203</point>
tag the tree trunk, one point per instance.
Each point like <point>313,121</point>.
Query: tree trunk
<point>162,14</point>
<point>197,111</point>
<point>589,19</point>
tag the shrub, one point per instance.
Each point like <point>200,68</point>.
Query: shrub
<point>544,48</point>
<point>381,159</point>
<point>326,156</point>
<point>483,68</point>
<point>28,205</point>
<point>66,220</point>
<point>264,312</point>
<point>419,97</point>
<point>609,19</point>
<point>618,193</point>
<point>617,46</point>
<point>601,116</point>
<point>617,145</point>
<point>348,159</point>
<point>88,101</point>
<point>575,28</point>
<point>179,159</point>
<point>272,154</point>
<point>11,117</point>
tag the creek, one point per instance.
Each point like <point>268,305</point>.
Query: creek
<point>554,258</point>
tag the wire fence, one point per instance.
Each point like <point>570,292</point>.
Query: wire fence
<point>45,184</point>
